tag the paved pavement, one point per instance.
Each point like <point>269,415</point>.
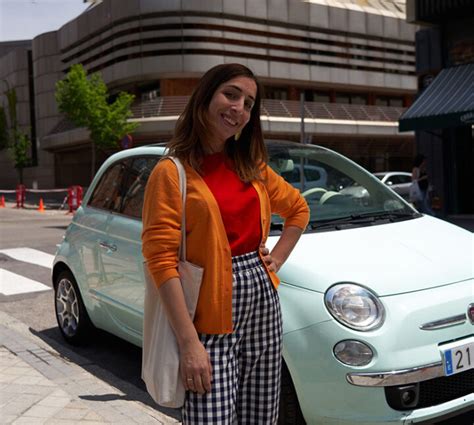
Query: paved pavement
<point>40,386</point>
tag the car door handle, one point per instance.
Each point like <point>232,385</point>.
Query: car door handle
<point>110,247</point>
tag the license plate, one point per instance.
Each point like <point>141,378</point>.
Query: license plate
<point>458,356</point>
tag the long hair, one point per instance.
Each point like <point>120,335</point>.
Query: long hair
<point>248,153</point>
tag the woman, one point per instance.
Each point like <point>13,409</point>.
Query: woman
<point>230,356</point>
<point>420,176</point>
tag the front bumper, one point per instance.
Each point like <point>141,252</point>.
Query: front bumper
<point>403,353</point>
<point>396,377</point>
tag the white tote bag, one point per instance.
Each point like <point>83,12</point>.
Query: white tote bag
<point>160,355</point>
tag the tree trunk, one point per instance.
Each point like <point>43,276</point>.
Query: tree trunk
<point>20,174</point>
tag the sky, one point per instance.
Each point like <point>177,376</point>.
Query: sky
<point>25,19</point>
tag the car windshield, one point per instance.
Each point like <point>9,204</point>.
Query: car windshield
<point>338,191</point>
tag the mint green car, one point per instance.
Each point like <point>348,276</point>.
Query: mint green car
<point>377,298</point>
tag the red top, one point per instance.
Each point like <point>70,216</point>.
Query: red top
<point>238,203</point>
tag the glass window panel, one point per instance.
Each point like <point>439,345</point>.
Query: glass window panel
<point>134,186</point>
<point>107,192</point>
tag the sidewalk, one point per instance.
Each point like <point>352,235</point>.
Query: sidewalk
<point>40,386</point>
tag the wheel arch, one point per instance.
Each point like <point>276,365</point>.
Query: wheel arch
<point>58,268</point>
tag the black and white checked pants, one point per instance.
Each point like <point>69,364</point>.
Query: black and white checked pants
<point>246,364</point>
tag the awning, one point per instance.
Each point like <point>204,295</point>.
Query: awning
<point>447,102</point>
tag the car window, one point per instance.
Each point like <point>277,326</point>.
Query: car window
<point>344,189</point>
<point>392,180</point>
<point>133,187</point>
<point>311,174</point>
<point>405,179</point>
<point>106,194</point>
<point>292,176</point>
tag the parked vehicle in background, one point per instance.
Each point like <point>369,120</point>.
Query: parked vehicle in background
<point>399,181</point>
<point>376,298</point>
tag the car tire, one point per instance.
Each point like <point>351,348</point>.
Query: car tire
<point>289,411</point>
<point>71,314</point>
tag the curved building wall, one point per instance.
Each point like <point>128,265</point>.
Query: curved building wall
<point>47,71</point>
<point>14,75</point>
<point>288,40</point>
<point>161,48</point>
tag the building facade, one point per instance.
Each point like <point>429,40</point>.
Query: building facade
<point>443,114</point>
<point>352,62</point>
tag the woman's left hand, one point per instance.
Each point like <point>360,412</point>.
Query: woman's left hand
<point>271,262</point>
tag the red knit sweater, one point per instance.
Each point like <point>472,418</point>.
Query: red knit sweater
<point>238,203</point>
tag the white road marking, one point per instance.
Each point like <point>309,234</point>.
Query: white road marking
<point>12,284</point>
<point>30,255</point>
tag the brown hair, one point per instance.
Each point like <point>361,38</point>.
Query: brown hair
<point>248,153</point>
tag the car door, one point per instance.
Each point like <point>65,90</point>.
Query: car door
<point>89,230</point>
<point>123,287</point>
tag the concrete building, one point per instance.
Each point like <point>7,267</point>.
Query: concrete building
<point>443,114</point>
<point>352,61</point>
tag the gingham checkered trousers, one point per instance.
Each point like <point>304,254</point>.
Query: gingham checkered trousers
<point>246,364</point>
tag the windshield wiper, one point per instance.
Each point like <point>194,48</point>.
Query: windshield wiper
<point>362,218</point>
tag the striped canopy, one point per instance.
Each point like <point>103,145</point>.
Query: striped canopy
<point>447,102</point>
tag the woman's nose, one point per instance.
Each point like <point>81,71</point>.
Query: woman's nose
<point>238,106</point>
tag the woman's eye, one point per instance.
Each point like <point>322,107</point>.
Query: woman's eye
<point>248,105</point>
<point>230,95</point>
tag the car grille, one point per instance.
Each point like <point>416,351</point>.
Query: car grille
<point>440,390</point>
<point>430,393</point>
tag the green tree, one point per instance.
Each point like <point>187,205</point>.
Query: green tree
<point>85,101</point>
<point>11,137</point>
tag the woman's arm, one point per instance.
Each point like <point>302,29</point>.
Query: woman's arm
<point>195,365</point>
<point>282,250</point>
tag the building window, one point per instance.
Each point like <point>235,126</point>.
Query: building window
<point>277,93</point>
<point>149,91</point>
<point>316,96</point>
<point>351,98</point>
<point>358,99</point>
<point>389,101</point>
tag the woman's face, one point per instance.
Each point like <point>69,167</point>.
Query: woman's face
<point>230,108</point>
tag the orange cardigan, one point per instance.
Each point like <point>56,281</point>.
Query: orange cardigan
<point>206,238</point>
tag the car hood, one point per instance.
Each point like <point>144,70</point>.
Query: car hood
<point>392,258</point>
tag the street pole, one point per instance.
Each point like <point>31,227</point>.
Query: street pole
<point>302,138</point>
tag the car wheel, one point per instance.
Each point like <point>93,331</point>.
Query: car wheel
<point>71,315</point>
<point>290,412</point>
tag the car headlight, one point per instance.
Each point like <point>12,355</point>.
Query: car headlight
<point>355,306</point>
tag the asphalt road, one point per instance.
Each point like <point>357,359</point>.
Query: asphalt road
<point>109,358</point>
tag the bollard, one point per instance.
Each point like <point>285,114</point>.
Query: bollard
<point>20,195</point>
<point>74,197</point>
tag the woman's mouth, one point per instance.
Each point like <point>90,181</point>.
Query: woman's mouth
<point>229,120</point>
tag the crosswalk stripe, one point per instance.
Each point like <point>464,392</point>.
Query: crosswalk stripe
<point>30,255</point>
<point>12,284</point>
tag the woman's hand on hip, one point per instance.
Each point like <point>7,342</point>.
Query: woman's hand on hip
<point>269,260</point>
<point>195,367</point>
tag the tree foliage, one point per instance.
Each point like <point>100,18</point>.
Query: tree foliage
<point>85,102</point>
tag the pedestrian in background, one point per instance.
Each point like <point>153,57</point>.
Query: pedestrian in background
<point>230,356</point>
<point>419,176</point>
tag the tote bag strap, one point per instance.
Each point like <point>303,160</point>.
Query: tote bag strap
<point>182,187</point>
